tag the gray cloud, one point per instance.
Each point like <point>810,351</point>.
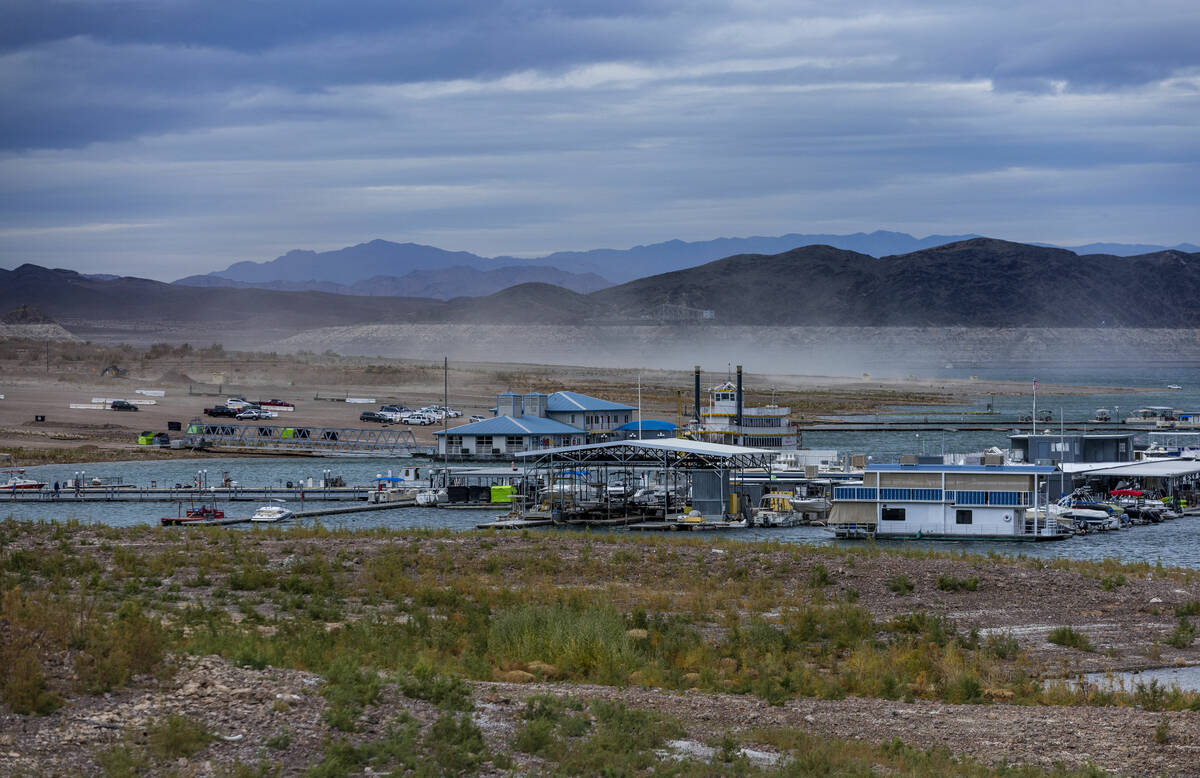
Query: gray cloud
<point>169,138</point>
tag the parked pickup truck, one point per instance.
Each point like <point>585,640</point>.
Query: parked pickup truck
<point>221,410</point>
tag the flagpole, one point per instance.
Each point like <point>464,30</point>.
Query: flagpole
<point>639,406</point>
<point>1034,410</point>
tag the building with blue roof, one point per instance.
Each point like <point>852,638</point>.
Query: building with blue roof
<point>532,421</point>
<point>503,436</point>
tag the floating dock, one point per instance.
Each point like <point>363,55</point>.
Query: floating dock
<point>685,526</point>
<point>190,494</point>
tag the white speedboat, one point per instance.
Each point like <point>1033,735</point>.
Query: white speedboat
<point>17,481</point>
<point>269,514</point>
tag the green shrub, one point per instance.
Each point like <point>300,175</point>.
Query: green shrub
<point>457,744</point>
<point>111,653</point>
<point>536,737</point>
<point>348,688</point>
<point>949,583</point>
<point>819,576</point>
<point>1189,608</point>
<point>1110,582</point>
<point>1183,635</point>
<point>176,737</point>
<point>591,643</point>
<point>123,761</point>
<point>1002,646</point>
<point>1162,732</point>
<point>1070,638</point>
<point>449,693</point>
<point>899,584</point>
<point>22,683</point>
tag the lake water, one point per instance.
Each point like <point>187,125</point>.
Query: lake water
<point>1174,543</point>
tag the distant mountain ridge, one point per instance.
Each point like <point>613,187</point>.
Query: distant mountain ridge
<point>440,284</point>
<point>980,282</point>
<point>370,268</point>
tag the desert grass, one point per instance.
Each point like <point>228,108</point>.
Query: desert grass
<point>429,609</point>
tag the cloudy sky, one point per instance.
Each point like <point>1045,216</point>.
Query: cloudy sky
<point>168,137</point>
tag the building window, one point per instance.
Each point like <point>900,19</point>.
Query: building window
<point>962,516</point>
<point>893,514</point>
<point>514,442</point>
<point>454,444</point>
<point>483,444</point>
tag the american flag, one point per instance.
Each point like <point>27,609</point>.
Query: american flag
<point>1035,384</point>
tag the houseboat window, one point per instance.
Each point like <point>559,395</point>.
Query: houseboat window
<point>893,514</point>
<point>962,516</point>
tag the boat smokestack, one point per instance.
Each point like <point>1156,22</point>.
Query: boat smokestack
<point>739,396</point>
<point>696,410</point>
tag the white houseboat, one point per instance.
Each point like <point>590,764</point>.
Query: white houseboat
<point>946,502</point>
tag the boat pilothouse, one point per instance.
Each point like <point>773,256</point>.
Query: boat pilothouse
<point>946,502</point>
<point>727,420</point>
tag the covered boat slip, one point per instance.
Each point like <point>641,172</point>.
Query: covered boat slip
<point>946,501</point>
<point>1169,477</point>
<point>623,482</point>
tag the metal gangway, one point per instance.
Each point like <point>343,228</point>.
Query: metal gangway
<point>295,438</point>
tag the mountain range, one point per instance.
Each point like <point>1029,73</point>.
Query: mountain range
<point>381,267</point>
<point>979,282</point>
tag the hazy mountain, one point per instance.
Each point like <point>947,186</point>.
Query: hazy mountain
<point>68,296</point>
<point>364,261</point>
<point>640,261</point>
<point>441,284</point>
<point>979,282</point>
<point>1126,249</point>
<point>355,268</point>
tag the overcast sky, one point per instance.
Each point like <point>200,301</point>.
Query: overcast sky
<point>168,137</point>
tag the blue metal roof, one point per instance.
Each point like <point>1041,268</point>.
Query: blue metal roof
<point>566,402</point>
<point>647,424</point>
<point>1016,469</point>
<point>510,425</point>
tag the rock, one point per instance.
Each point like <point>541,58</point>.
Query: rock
<point>542,669</point>
<point>1155,599</point>
<point>727,665</point>
<point>638,634</point>
<point>514,676</point>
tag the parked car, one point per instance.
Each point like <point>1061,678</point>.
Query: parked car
<point>373,416</point>
<point>474,418</point>
<point>238,403</point>
<point>123,405</point>
<point>276,403</point>
<point>221,410</point>
<point>420,419</point>
<point>256,413</point>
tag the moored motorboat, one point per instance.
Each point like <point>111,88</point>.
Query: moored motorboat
<point>202,515</point>
<point>271,513</point>
<point>16,480</point>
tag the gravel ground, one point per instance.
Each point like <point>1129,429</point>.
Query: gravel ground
<point>245,707</point>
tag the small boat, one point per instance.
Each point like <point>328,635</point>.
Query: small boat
<point>1174,386</point>
<point>432,497</point>
<point>777,510</point>
<point>15,481</point>
<point>202,515</point>
<point>268,514</point>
